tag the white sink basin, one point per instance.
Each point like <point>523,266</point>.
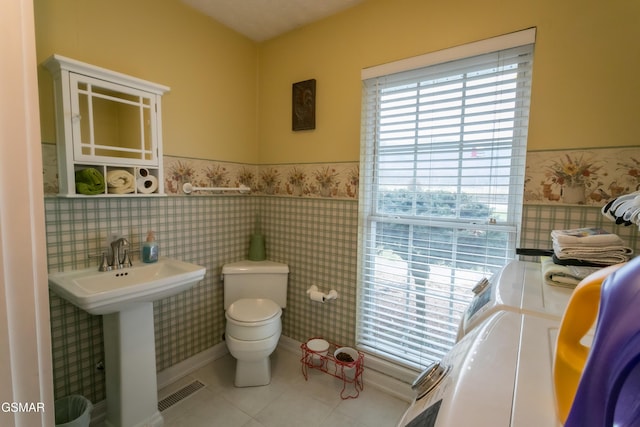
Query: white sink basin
<point>108,292</point>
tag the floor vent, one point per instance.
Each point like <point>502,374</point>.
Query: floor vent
<point>177,396</point>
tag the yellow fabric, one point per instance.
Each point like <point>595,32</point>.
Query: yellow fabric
<point>120,182</point>
<point>571,355</point>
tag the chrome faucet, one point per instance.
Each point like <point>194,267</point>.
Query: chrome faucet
<point>120,253</point>
<point>119,256</point>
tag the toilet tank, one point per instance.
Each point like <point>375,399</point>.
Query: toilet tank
<point>255,279</point>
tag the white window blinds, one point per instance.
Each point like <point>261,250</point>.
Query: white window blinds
<point>443,159</point>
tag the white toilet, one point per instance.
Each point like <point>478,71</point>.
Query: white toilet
<point>255,292</point>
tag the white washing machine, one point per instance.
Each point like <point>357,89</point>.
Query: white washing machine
<point>500,371</point>
<point>519,287</point>
<point>498,375</point>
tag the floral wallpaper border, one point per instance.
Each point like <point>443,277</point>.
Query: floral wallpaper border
<point>334,180</point>
<point>575,177</point>
<point>581,177</point>
<point>329,180</point>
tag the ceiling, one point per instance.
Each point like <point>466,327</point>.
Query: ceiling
<point>262,20</point>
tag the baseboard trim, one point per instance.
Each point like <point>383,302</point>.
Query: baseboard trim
<point>98,414</point>
<point>168,376</point>
<point>187,366</point>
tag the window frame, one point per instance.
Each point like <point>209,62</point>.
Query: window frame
<point>369,215</point>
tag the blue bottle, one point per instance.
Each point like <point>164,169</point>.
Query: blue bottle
<point>150,249</point>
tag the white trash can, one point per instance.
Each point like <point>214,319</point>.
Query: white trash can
<point>73,411</point>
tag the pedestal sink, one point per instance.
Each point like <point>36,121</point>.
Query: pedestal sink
<point>125,299</point>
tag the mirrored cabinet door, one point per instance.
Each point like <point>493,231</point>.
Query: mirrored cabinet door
<point>112,124</point>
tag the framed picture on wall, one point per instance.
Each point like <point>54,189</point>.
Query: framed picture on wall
<point>303,108</point>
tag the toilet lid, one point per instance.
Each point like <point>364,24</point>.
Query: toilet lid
<point>253,310</point>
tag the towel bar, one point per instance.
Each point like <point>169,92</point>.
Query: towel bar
<point>187,188</point>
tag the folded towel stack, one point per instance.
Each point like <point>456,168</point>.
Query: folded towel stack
<point>120,182</point>
<point>89,181</point>
<point>567,276</point>
<point>589,246</point>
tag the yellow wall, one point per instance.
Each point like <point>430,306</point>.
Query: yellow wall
<point>585,81</point>
<point>211,110</point>
<point>230,98</point>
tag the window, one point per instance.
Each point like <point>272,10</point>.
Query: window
<point>443,159</point>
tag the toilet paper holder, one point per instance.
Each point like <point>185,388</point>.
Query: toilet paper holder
<point>316,295</point>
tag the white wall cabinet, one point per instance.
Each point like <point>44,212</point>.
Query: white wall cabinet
<point>110,122</point>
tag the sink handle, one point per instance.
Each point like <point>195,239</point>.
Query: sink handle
<point>104,263</point>
<point>126,260</point>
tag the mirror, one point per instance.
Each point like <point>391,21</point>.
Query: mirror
<point>110,122</point>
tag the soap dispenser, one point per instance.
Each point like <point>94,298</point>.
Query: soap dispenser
<point>150,248</point>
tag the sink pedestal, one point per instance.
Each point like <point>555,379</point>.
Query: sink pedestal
<point>125,300</point>
<point>130,367</point>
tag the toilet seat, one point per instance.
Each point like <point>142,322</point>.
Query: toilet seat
<point>252,319</point>
<point>253,311</point>
<point>252,350</point>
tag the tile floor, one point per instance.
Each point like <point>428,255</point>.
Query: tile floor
<point>289,401</point>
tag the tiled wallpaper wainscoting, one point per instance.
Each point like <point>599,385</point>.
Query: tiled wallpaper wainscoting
<point>316,237</point>
<point>208,231</point>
